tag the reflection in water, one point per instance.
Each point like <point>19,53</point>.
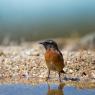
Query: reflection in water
<point>48,89</point>
<point>72,88</point>
<point>58,91</point>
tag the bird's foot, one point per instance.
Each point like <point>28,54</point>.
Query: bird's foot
<point>47,78</point>
<point>60,80</point>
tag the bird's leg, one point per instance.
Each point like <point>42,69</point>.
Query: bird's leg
<point>59,76</point>
<point>48,75</point>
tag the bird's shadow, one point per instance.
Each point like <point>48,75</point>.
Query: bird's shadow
<point>72,79</point>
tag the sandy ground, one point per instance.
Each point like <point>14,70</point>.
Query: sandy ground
<point>26,64</point>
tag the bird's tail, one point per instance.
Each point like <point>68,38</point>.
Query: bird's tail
<point>63,71</point>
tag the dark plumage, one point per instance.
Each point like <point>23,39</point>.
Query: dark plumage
<point>53,56</point>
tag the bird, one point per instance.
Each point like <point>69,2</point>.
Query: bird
<point>53,57</point>
<point>56,91</point>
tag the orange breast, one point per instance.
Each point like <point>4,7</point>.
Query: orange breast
<point>54,60</point>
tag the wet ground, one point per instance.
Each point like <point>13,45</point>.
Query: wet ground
<point>46,89</point>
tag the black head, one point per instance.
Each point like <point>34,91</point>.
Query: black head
<point>49,44</point>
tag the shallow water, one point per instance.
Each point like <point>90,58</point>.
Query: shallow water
<point>43,89</point>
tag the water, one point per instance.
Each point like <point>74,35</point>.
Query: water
<point>43,89</point>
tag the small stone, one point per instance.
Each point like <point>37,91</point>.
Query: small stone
<point>65,69</point>
<point>93,62</point>
<point>2,53</point>
<point>70,71</point>
<point>84,74</point>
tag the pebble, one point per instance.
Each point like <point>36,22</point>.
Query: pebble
<point>23,61</point>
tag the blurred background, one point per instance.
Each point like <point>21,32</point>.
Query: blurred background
<point>31,20</point>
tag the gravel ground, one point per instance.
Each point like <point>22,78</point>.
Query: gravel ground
<point>26,64</point>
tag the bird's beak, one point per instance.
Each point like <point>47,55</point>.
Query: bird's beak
<point>41,43</point>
